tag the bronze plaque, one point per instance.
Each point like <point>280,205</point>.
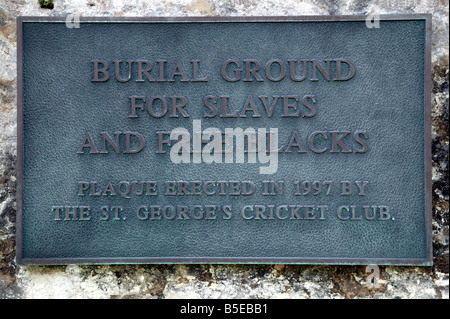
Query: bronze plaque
<point>224,140</point>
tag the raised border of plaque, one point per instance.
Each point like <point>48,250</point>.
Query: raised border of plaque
<point>226,260</point>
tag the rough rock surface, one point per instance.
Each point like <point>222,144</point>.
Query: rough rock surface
<point>221,281</point>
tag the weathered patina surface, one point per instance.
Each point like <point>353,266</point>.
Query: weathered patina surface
<point>234,281</point>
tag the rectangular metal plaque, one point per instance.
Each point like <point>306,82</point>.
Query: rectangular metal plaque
<point>224,140</point>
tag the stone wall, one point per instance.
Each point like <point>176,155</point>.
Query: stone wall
<point>220,281</point>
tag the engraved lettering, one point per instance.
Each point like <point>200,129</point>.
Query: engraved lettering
<point>361,185</point>
<point>361,142</point>
<point>325,73</point>
<point>295,142</point>
<point>87,143</point>
<point>115,146</point>
<point>117,66</point>
<point>269,109</point>
<point>310,106</point>
<point>236,71</point>
<point>178,71</point>
<point>338,141</point>
<point>346,188</point>
<point>145,71</point>
<point>252,70</point>
<point>128,149</point>
<point>384,212</point>
<point>292,70</point>
<point>227,211</point>
<point>287,105</point>
<point>162,141</point>
<point>103,70</point>
<point>195,68</point>
<point>210,106</point>
<point>311,141</point>
<point>252,108</point>
<point>351,71</point>
<point>57,210</point>
<point>179,107</point>
<point>269,70</point>
<point>134,106</point>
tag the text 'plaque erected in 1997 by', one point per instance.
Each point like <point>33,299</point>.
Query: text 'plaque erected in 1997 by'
<point>224,140</point>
